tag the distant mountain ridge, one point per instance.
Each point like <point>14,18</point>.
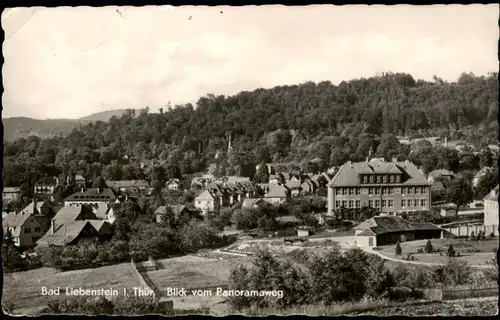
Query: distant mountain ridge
<point>104,115</point>
<point>22,127</point>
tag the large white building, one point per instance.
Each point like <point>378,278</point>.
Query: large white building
<point>392,187</point>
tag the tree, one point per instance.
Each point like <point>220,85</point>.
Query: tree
<point>268,273</point>
<point>11,257</point>
<point>459,192</point>
<point>428,247</point>
<point>486,184</point>
<point>398,249</point>
<point>262,174</point>
<point>486,158</point>
<point>99,182</point>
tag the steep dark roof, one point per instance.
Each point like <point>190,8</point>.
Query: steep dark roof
<point>349,173</point>
<point>277,192</point>
<point>104,195</point>
<point>172,181</point>
<point>65,234</point>
<point>425,226</point>
<point>69,214</point>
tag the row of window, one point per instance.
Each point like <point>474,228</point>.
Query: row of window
<point>393,178</point>
<point>381,190</point>
<point>413,202</point>
<point>377,203</point>
<point>28,230</point>
<point>348,203</point>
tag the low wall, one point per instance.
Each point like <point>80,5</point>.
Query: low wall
<point>139,278</point>
<point>469,293</point>
<point>467,230</point>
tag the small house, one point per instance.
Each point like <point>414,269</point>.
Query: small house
<point>46,185</point>
<point>27,225</point>
<point>179,211</point>
<point>387,230</point>
<point>277,194</point>
<point>10,193</point>
<point>173,184</point>
<point>207,202</point>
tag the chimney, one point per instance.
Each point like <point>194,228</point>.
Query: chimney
<point>446,142</point>
<point>82,190</point>
<point>53,226</point>
<point>98,190</point>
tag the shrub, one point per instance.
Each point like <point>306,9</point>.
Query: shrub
<point>481,235</point>
<point>473,236</point>
<point>412,277</point>
<point>428,247</point>
<point>455,272</point>
<point>420,250</point>
<point>398,249</point>
<point>451,251</point>
<point>492,235</point>
<point>268,273</point>
<point>398,294</point>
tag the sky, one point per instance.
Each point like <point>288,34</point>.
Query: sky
<point>72,62</point>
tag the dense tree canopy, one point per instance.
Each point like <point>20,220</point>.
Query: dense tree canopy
<point>286,123</point>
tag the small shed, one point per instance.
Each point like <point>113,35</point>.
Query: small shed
<point>302,233</point>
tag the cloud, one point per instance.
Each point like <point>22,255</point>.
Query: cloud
<point>71,62</point>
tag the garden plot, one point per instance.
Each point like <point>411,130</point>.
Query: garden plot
<point>178,273</point>
<point>474,252</point>
<point>23,289</point>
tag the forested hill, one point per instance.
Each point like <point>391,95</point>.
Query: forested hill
<point>22,127</point>
<point>286,123</point>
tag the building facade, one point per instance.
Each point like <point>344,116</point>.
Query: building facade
<point>46,185</point>
<point>491,210</point>
<point>207,202</point>
<point>28,225</point>
<point>10,193</point>
<point>392,187</point>
<point>382,231</point>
